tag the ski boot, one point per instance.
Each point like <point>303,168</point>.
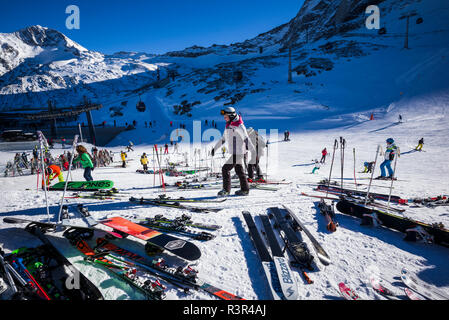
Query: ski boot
<point>242,193</point>
<point>380,178</point>
<point>223,193</point>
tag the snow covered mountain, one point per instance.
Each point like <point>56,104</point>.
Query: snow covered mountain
<point>38,63</point>
<point>339,68</point>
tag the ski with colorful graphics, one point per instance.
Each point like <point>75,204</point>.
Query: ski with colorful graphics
<point>181,248</point>
<point>83,185</point>
<point>152,290</point>
<point>285,274</point>
<point>347,292</point>
<point>186,276</point>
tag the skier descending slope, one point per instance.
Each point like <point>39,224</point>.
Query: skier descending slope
<point>390,153</point>
<point>236,136</point>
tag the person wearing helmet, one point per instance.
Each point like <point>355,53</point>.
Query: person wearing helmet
<point>144,161</point>
<point>390,153</point>
<point>52,172</point>
<point>238,142</point>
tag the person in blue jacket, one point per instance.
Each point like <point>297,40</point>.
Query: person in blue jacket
<point>391,151</point>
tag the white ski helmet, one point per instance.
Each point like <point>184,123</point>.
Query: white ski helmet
<point>230,111</point>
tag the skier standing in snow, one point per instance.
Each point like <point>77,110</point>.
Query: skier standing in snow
<point>236,136</point>
<point>86,162</point>
<point>420,145</point>
<point>123,157</point>
<point>144,161</point>
<point>323,157</point>
<point>390,153</point>
<point>259,144</point>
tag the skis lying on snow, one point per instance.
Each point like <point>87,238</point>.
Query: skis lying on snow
<point>299,226</point>
<point>286,278</point>
<point>413,229</point>
<point>356,199</point>
<point>378,286</point>
<point>175,275</point>
<point>413,282</point>
<point>173,204</point>
<point>425,201</point>
<point>378,196</point>
<point>176,228</point>
<point>179,247</point>
<point>281,286</point>
<point>49,254</point>
<point>153,290</point>
<point>184,220</point>
<point>164,198</point>
<point>347,293</point>
<point>293,242</point>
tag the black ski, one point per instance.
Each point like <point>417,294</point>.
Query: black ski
<point>173,204</point>
<point>293,241</point>
<point>299,226</point>
<point>267,262</point>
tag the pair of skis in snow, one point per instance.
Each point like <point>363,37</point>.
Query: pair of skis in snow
<point>415,289</point>
<point>276,267</point>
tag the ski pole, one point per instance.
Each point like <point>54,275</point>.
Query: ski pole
<point>342,152</point>
<point>332,164</point>
<point>372,174</point>
<point>41,138</point>
<point>75,141</point>
<point>355,179</point>
<point>392,180</point>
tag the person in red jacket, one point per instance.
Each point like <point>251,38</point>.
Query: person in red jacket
<point>324,154</point>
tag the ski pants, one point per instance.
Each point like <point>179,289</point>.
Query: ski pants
<point>236,162</point>
<point>253,167</point>
<point>323,159</point>
<point>88,174</point>
<point>419,147</point>
<point>387,164</point>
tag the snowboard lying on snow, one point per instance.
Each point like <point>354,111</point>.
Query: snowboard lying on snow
<point>83,185</point>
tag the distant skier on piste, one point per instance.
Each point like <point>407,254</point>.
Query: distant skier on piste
<point>390,153</point>
<point>123,158</point>
<point>86,161</point>
<point>323,156</point>
<point>236,137</point>
<point>144,161</point>
<point>420,145</point>
<point>317,166</point>
<point>368,167</point>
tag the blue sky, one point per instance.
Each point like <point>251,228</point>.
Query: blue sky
<point>153,26</point>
